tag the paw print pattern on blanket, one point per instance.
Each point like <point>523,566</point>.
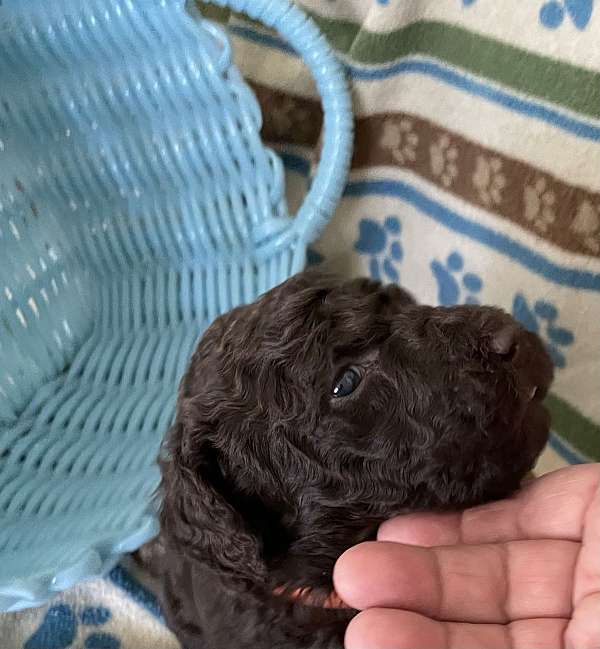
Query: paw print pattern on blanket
<point>542,320</point>
<point>381,243</point>
<point>539,202</point>
<point>454,286</point>
<point>489,180</point>
<point>586,225</point>
<point>400,139</point>
<point>58,629</point>
<point>552,13</point>
<point>444,160</point>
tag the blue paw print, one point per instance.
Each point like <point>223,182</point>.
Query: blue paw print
<point>545,314</point>
<point>59,629</point>
<point>552,13</point>
<point>381,243</point>
<point>452,283</point>
<point>468,3</point>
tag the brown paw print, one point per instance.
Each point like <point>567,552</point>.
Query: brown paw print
<point>488,179</point>
<point>444,156</point>
<point>539,205</point>
<point>400,139</point>
<point>586,224</point>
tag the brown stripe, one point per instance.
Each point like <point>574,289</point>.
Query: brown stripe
<point>288,119</point>
<point>565,215</point>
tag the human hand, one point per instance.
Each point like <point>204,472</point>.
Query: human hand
<point>520,573</point>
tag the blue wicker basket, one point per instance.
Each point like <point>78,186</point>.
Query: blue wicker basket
<point>137,203</point>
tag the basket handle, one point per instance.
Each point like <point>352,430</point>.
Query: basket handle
<point>304,36</point>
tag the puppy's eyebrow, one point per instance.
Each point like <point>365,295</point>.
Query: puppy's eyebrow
<point>360,349</point>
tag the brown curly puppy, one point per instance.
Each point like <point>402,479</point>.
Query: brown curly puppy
<point>308,418</point>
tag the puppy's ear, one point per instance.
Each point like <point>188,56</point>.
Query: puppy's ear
<point>197,515</point>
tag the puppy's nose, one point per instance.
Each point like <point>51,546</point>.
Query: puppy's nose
<point>504,341</point>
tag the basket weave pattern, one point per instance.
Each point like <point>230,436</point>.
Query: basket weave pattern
<point>137,203</point>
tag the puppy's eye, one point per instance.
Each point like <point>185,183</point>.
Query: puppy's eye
<point>346,383</point>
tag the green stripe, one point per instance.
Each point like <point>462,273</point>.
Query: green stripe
<point>212,12</point>
<point>582,433</point>
<point>553,80</point>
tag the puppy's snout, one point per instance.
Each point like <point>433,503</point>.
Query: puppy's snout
<point>486,329</point>
<point>522,353</point>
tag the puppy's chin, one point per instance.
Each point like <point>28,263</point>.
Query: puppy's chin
<point>528,446</point>
<point>535,430</point>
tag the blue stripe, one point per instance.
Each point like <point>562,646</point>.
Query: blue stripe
<point>270,40</point>
<point>460,80</point>
<point>480,89</point>
<point>566,452</point>
<point>295,163</point>
<point>529,258</point>
<point>579,279</point>
<point>138,593</point>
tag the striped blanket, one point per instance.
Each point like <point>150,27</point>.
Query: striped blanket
<point>476,178</point>
<point>476,172</point>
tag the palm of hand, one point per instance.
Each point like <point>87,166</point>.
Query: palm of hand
<point>522,573</point>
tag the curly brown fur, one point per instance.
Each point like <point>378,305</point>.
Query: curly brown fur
<point>268,478</point>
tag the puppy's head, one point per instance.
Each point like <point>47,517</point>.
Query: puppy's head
<point>330,405</point>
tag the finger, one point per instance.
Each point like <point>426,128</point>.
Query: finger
<point>477,583</point>
<point>390,629</point>
<point>422,529</point>
<point>554,506</point>
<point>587,571</point>
<point>584,629</point>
